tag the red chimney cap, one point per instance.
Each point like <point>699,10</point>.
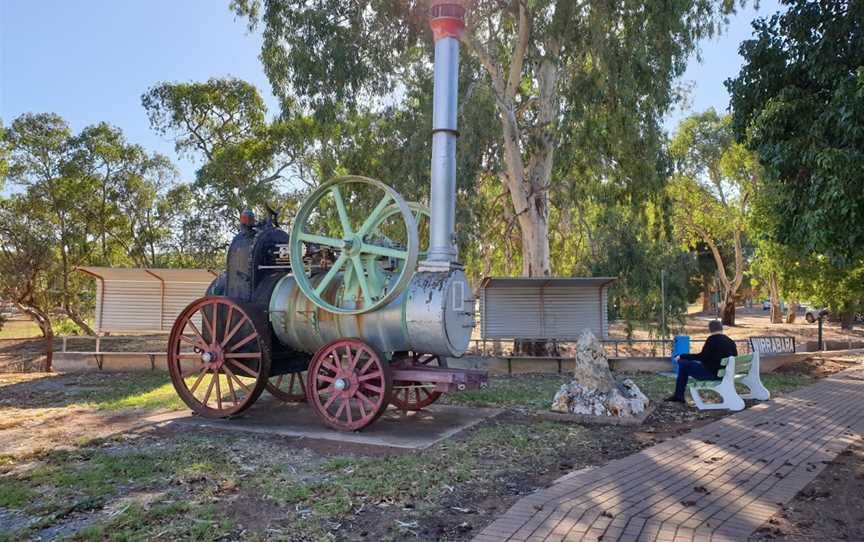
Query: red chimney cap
<point>447,18</point>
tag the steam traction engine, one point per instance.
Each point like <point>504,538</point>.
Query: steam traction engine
<point>348,312</point>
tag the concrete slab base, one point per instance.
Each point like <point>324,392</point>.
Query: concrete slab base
<point>394,429</point>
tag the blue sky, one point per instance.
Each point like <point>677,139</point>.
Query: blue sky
<point>90,60</point>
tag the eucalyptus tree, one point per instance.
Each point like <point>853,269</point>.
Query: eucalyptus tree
<point>28,266</point>
<point>99,200</point>
<point>594,74</point>
<point>41,161</point>
<point>712,190</point>
<point>223,122</point>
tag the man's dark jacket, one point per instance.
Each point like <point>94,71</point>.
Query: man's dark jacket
<point>716,348</point>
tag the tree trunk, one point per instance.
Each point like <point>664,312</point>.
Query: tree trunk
<point>535,245</point>
<point>847,320</point>
<point>706,294</point>
<point>727,311</point>
<point>792,311</point>
<point>79,321</point>
<point>776,312</point>
<point>44,322</point>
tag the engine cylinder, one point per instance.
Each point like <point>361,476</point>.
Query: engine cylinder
<point>434,315</point>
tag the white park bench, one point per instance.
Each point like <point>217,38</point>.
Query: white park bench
<point>745,370</point>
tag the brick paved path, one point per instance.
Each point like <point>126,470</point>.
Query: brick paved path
<point>719,482</point>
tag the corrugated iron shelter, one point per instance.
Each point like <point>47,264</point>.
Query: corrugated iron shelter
<point>144,300</point>
<point>544,307</point>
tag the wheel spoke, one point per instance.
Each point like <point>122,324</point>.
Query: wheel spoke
<point>198,333</point>
<point>251,337</point>
<point>242,355</point>
<point>339,410</point>
<point>348,404</point>
<point>194,370</point>
<point>352,360</point>
<point>384,251</point>
<point>228,321</point>
<point>348,278</point>
<point>369,376</point>
<point>334,269</point>
<point>231,376</point>
<point>197,382</point>
<point>320,240</point>
<point>343,213</point>
<point>205,323</point>
<point>233,331</point>
<point>230,385</point>
<point>323,378</point>
<point>210,388</point>
<point>330,365</point>
<point>361,278</point>
<point>218,390</point>
<point>368,364</point>
<point>373,217</point>
<point>243,368</point>
<point>370,387</point>
<point>364,399</point>
<point>199,343</point>
<point>330,401</point>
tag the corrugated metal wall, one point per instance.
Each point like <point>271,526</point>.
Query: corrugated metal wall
<point>128,305</point>
<point>177,296</point>
<point>561,312</point>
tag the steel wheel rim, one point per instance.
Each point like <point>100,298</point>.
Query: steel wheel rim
<point>348,384</point>
<point>353,264</point>
<point>290,388</point>
<point>220,368</point>
<point>414,396</point>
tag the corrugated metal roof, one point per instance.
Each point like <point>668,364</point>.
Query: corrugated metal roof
<point>545,282</point>
<point>141,274</point>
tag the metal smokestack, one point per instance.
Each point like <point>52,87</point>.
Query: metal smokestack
<point>448,23</point>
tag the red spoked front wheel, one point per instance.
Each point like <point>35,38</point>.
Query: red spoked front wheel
<point>413,396</point>
<point>219,356</point>
<point>348,384</point>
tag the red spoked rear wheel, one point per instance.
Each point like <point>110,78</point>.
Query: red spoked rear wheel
<point>348,384</point>
<point>413,396</point>
<point>290,387</point>
<point>219,356</point>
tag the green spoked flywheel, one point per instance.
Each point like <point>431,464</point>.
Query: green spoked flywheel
<point>422,217</point>
<point>370,232</point>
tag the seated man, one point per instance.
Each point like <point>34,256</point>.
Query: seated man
<point>705,364</point>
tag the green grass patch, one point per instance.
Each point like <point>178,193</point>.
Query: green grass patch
<point>173,521</point>
<point>19,328</point>
<point>131,390</point>
<point>535,392</point>
<point>14,493</point>
<point>529,391</point>
<point>344,484</point>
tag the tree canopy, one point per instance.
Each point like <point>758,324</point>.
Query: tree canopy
<point>592,80</point>
<point>799,103</point>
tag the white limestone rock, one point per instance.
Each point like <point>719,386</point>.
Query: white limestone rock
<point>594,391</point>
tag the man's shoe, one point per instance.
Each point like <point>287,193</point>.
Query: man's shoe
<point>673,399</point>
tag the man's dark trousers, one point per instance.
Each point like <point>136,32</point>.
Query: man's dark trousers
<point>688,368</point>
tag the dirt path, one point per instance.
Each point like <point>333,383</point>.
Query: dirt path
<point>831,507</point>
